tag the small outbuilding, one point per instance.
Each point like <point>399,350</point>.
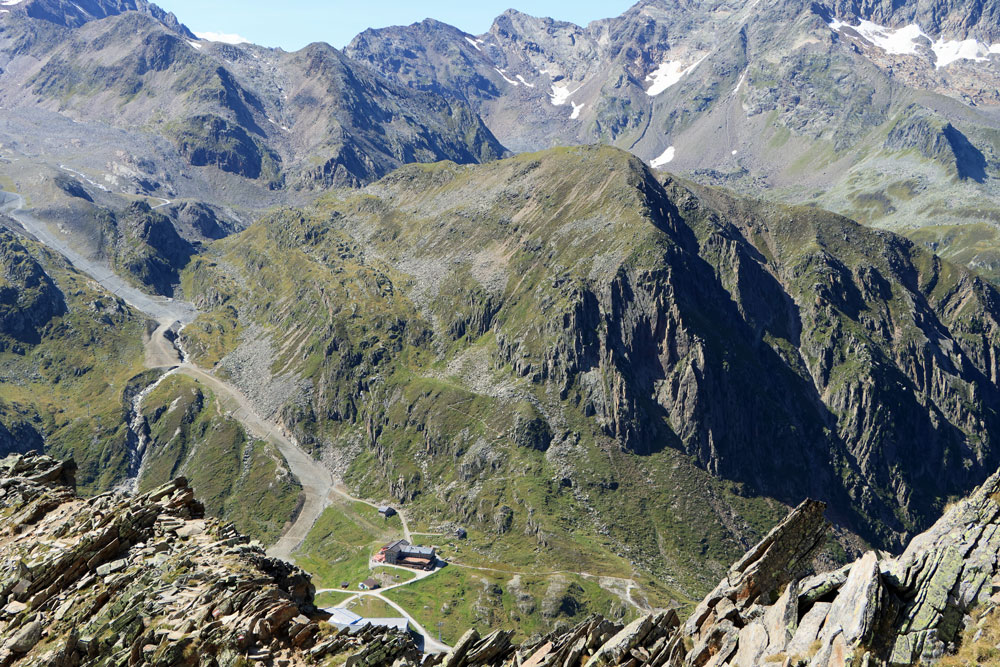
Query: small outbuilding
<point>386,511</point>
<point>369,585</point>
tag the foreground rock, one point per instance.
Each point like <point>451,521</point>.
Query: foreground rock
<point>146,580</point>
<point>908,610</point>
<point>877,611</point>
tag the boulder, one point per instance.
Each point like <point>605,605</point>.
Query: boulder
<point>26,638</point>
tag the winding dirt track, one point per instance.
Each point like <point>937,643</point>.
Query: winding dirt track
<point>158,308</point>
<point>317,482</point>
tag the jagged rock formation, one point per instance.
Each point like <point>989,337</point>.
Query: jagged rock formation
<point>906,610</point>
<point>145,579</point>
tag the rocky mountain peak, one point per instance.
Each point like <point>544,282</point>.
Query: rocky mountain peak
<point>72,14</point>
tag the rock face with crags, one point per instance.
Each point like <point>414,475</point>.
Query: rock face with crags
<point>147,580</point>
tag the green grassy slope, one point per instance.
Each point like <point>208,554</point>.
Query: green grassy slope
<point>594,371</point>
<point>236,477</point>
<point>67,377</point>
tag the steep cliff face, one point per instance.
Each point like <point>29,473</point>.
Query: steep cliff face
<point>895,343</point>
<point>568,319</point>
<point>28,297</point>
<point>145,246</point>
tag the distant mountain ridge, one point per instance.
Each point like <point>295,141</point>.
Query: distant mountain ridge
<point>73,14</point>
<point>886,112</point>
<point>311,119</point>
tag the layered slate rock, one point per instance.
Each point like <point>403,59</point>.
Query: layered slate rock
<point>877,611</point>
<point>130,580</point>
<point>908,610</point>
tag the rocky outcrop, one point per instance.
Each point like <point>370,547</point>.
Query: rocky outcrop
<point>29,298</point>
<point>938,140</point>
<point>907,610</point>
<point>144,245</point>
<point>208,140</point>
<point>197,220</point>
<point>146,579</point>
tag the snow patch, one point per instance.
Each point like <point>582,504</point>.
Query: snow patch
<point>11,3</point>
<point>898,42</point>
<point>904,41</point>
<point>196,45</point>
<point>521,79</point>
<point>84,177</point>
<point>475,43</point>
<point>561,93</point>
<point>665,157</point>
<point>739,84</point>
<point>734,152</point>
<point>225,38</point>
<point>947,52</point>
<point>504,76</point>
<point>667,74</point>
<point>577,108</point>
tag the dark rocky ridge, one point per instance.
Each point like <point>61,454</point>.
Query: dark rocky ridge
<point>70,14</point>
<point>28,297</point>
<point>145,246</point>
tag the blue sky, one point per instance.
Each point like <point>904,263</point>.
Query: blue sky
<point>291,24</point>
